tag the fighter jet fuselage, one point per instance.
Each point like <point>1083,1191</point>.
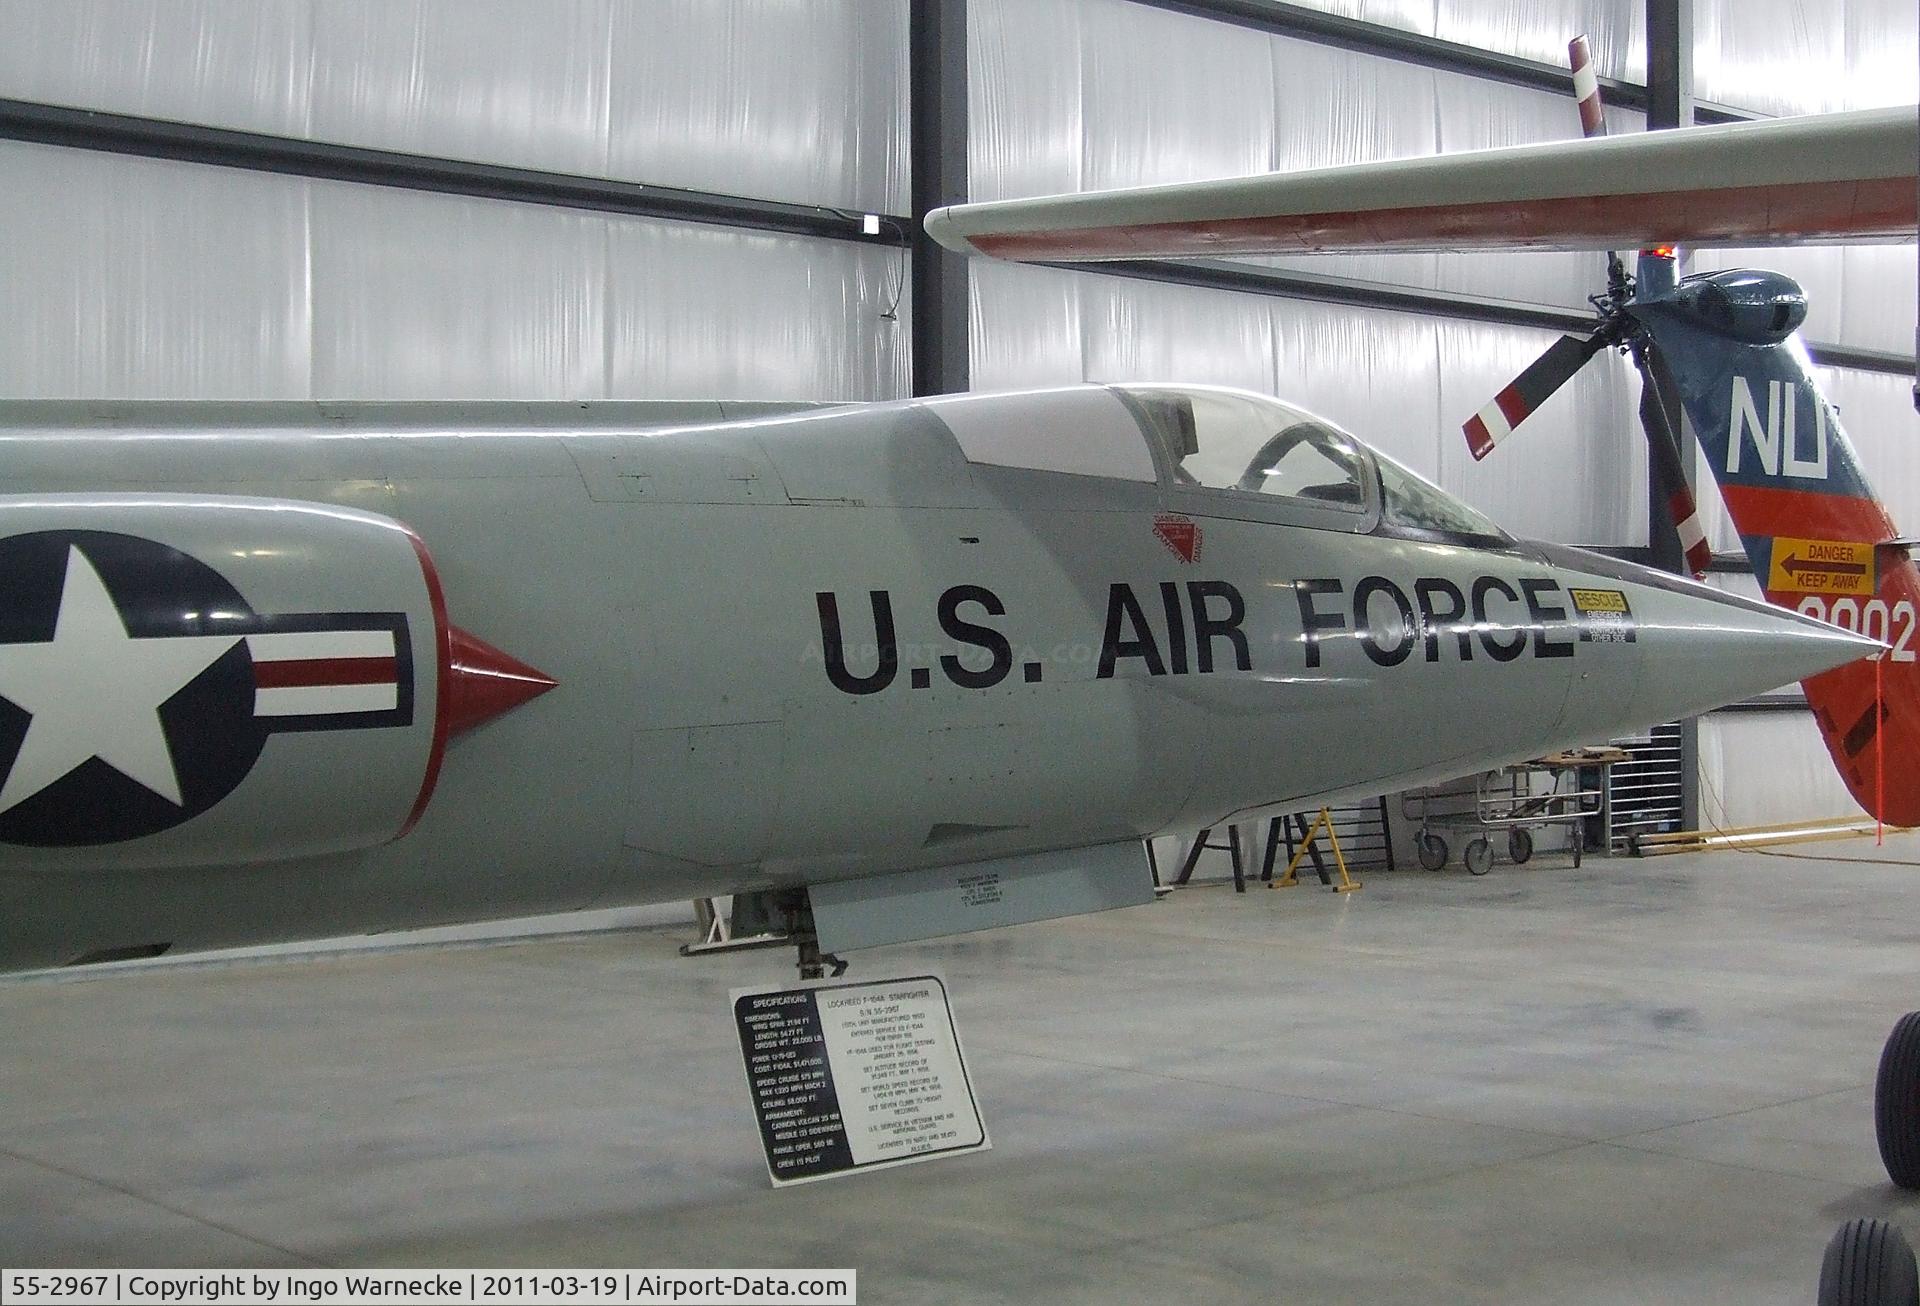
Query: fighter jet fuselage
<point>715,649</point>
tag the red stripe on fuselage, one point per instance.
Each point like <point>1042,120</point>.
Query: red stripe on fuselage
<point>307,672</point>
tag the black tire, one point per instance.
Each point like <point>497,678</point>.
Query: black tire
<point>1519,846</point>
<point>1478,856</point>
<point>1432,851</point>
<point>1868,1263</point>
<point>1896,1102</point>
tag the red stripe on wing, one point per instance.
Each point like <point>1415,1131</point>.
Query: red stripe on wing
<point>1878,207</point>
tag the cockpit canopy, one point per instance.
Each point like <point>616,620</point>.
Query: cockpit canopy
<point>1214,451</point>
<point>1248,443</point>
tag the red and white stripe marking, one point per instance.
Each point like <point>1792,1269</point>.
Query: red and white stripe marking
<point>1693,537</point>
<point>324,672</point>
<point>1586,88</point>
<point>1495,422</point>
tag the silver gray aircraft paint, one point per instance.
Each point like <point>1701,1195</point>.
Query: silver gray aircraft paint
<point>665,564</point>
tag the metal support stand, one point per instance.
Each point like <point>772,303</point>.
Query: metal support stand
<point>1322,822</point>
<point>1284,828</point>
<point>1160,888</point>
<point>1201,843</point>
<point>717,930</point>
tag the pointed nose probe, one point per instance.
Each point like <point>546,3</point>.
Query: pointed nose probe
<point>1700,648</point>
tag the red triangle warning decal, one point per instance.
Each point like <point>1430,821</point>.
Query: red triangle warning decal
<point>1181,535</point>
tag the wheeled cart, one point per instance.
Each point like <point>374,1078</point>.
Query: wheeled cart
<point>1512,800</point>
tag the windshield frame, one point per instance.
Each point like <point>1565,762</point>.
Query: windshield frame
<point>1499,539</point>
<point>1256,505</point>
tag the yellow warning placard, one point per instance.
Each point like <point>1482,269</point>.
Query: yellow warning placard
<point>1599,600</point>
<point>1821,566</point>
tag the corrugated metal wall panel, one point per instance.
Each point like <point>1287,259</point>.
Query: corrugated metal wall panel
<point>1615,29</point>
<point>234,63</point>
<point>1023,93</point>
<point>1881,36</point>
<point>1374,372</point>
<point>1206,111</point>
<point>1761,768</point>
<point>779,99</point>
<point>1138,331</point>
<point>1407,15</point>
<point>1876,310</point>
<point>418,296</point>
<point>140,278</point>
<point>127,278</point>
<point>700,312</point>
<point>1025,327</point>
<point>476,80</point>
<point>1777,56</point>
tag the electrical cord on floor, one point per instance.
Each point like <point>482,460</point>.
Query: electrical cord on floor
<point>1717,828</point>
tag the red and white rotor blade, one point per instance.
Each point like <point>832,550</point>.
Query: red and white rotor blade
<point>1693,536</point>
<point>1586,88</point>
<point>1526,392</point>
<point>1827,178</point>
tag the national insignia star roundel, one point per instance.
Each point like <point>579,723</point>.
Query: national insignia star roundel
<point>126,688</point>
<point>138,688</point>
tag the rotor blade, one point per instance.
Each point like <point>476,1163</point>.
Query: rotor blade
<point>1586,88</point>
<point>1834,176</point>
<point>1526,392</point>
<point>1593,123</point>
<point>1668,469</point>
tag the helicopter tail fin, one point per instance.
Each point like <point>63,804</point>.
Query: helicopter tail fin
<point>1818,537</point>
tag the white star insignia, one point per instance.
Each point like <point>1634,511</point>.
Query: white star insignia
<point>95,691</point>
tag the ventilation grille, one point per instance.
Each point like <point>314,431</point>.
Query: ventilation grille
<point>1644,793</point>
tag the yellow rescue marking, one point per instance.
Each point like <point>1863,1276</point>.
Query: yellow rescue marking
<point>1820,566</point>
<point>1599,600</point>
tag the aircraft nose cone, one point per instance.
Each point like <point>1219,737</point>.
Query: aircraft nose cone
<point>1707,650</point>
<point>1682,648</point>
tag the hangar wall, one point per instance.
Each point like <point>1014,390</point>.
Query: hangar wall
<point>131,277</point>
<point>138,277</point>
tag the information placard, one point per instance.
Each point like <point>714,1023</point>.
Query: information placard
<point>849,1076</point>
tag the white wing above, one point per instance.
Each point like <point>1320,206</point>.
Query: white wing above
<point>1834,177</point>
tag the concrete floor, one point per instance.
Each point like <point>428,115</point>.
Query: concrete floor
<point>1635,1082</point>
